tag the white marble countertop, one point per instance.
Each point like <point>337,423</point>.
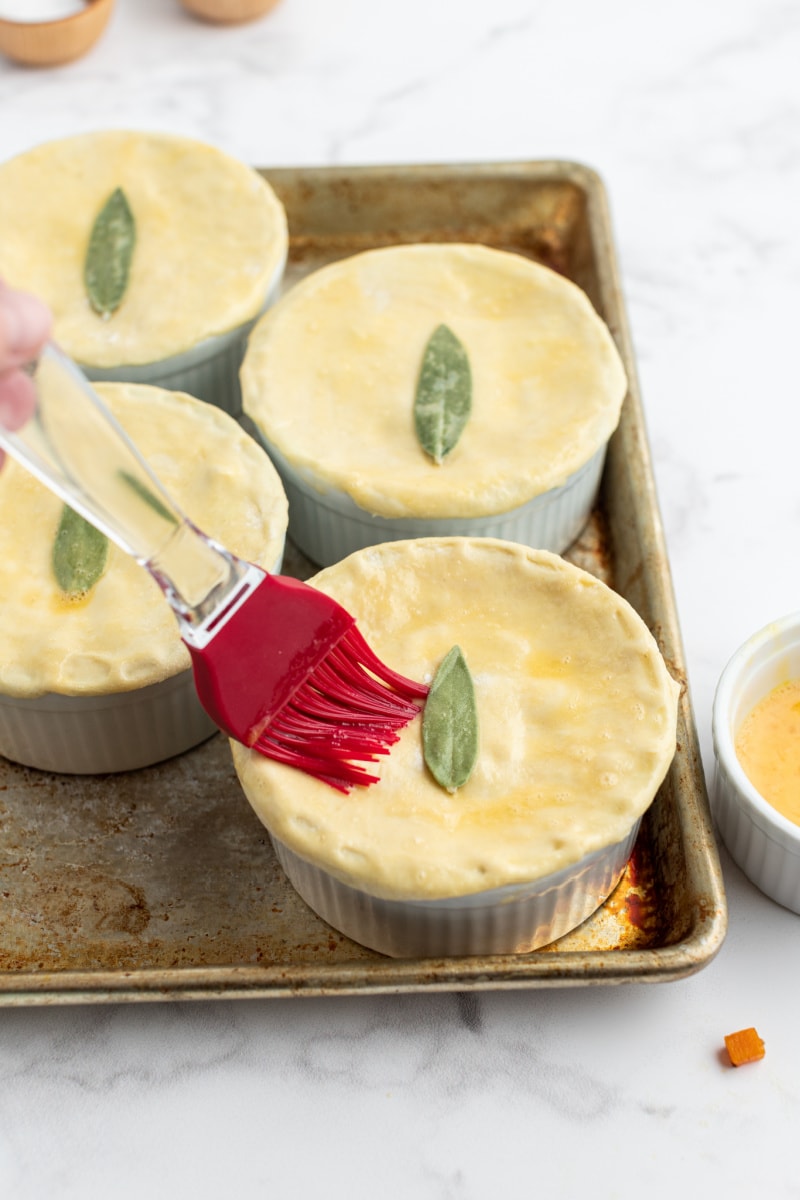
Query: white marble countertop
<point>691,113</point>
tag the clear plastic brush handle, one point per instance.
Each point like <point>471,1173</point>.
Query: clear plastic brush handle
<point>75,446</point>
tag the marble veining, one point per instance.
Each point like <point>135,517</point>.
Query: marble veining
<point>691,115</point>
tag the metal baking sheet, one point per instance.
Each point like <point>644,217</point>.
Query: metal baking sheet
<point>161,884</point>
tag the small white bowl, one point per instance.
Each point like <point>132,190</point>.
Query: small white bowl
<point>516,919</point>
<point>764,843</point>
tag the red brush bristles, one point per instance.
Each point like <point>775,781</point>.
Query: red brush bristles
<point>351,707</point>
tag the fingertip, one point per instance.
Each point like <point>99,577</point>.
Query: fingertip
<point>17,400</point>
<point>25,324</point>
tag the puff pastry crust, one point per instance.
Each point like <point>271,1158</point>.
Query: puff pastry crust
<point>331,371</point>
<point>577,714</point>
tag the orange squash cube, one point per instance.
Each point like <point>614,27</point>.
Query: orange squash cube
<point>744,1047</point>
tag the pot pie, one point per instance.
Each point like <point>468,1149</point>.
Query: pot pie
<point>207,244</point>
<point>577,727</point>
<point>330,379</point>
<point>101,681</point>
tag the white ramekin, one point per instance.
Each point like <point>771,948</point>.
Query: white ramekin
<point>327,524</point>
<point>764,843</point>
<point>507,920</point>
<point>95,735</point>
<point>106,733</point>
<point>208,371</point>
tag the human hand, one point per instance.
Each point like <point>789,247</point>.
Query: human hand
<point>24,328</point>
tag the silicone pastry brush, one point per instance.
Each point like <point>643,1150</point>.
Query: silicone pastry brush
<point>277,665</point>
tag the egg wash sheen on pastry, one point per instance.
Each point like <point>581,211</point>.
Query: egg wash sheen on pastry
<point>122,634</point>
<point>577,718</point>
<point>331,373</point>
<point>210,237</point>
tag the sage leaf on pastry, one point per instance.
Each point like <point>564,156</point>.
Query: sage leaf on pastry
<point>444,394</point>
<point>150,498</point>
<point>450,723</point>
<point>79,555</point>
<point>109,254</point>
